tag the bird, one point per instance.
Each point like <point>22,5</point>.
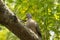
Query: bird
<point>33,25</point>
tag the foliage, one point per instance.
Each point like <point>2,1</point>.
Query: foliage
<point>45,12</point>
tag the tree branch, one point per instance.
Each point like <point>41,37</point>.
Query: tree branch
<point>8,19</point>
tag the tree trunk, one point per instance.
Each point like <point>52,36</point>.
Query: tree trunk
<point>10,21</point>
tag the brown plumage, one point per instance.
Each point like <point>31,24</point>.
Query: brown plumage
<point>32,24</point>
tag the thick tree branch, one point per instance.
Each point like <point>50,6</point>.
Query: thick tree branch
<point>8,19</point>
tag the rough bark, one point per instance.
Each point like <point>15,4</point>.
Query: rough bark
<point>10,21</point>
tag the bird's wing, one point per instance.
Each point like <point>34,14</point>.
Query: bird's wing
<point>38,30</point>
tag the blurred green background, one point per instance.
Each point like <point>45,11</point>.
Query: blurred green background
<point>45,12</point>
